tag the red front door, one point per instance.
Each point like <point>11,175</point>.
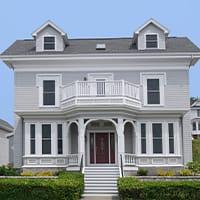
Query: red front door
<point>102,148</point>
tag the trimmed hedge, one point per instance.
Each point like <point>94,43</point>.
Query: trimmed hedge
<point>131,188</point>
<point>69,186</point>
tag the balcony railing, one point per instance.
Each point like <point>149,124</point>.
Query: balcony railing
<point>100,92</point>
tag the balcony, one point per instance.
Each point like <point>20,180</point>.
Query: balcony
<point>101,93</point>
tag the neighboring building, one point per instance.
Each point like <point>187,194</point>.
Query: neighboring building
<point>102,103</point>
<point>6,130</point>
<point>195,119</point>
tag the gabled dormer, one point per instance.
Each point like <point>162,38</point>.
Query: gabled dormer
<point>151,35</point>
<point>50,37</point>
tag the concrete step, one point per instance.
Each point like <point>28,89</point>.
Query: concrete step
<point>101,192</point>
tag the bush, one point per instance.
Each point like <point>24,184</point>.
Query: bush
<point>194,167</point>
<point>185,172</point>
<point>142,172</point>
<point>45,173</point>
<point>8,171</point>
<point>162,172</point>
<point>27,173</point>
<point>131,189</point>
<point>69,186</point>
<point>196,150</point>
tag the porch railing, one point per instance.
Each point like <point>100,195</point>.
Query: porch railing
<point>129,159</point>
<point>100,89</point>
<point>72,159</point>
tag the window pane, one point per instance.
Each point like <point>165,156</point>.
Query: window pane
<point>143,145</point>
<point>194,126</point>
<point>157,146</point>
<point>46,131</point>
<point>171,130</point>
<point>32,138</point>
<point>157,130</point>
<point>48,99</point>
<point>49,46</point>
<point>151,37</point>
<point>60,141</point>
<point>171,145</point>
<point>151,41</point>
<point>152,45</point>
<point>143,130</point>
<point>153,84</point>
<point>32,146</point>
<point>46,146</point>
<point>198,113</point>
<point>49,86</point>
<point>32,130</point>
<point>49,39</point>
<point>153,98</point>
<point>143,138</point>
<point>59,130</point>
<point>60,147</point>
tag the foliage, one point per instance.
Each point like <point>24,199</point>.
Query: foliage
<point>8,171</point>
<point>45,173</point>
<point>185,172</point>
<point>162,172</point>
<point>27,173</point>
<point>142,172</point>
<point>68,186</point>
<point>194,167</point>
<point>131,189</point>
<point>196,150</point>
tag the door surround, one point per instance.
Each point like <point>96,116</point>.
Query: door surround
<point>109,132</point>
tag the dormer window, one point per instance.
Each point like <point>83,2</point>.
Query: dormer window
<point>151,41</point>
<point>49,42</point>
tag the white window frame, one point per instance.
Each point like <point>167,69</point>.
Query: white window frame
<point>158,44</point>
<point>55,49</point>
<point>40,78</point>
<point>162,82</point>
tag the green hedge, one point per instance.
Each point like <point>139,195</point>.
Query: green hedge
<point>196,150</point>
<point>66,187</point>
<point>130,188</point>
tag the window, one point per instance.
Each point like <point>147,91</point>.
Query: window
<point>60,139</point>
<point>49,43</point>
<point>194,128</point>
<point>199,126</point>
<point>143,138</point>
<point>46,138</point>
<point>49,92</point>
<point>198,113</point>
<point>151,41</point>
<point>32,138</point>
<point>157,138</point>
<point>153,91</point>
<point>171,137</point>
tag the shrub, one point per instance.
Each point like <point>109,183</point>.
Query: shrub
<point>45,173</point>
<point>27,173</point>
<point>196,150</point>
<point>8,171</point>
<point>185,172</point>
<point>162,172</point>
<point>66,187</point>
<point>130,188</point>
<point>142,172</point>
<point>194,167</point>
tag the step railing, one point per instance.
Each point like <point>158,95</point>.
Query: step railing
<point>100,89</point>
<point>121,166</point>
<point>129,159</point>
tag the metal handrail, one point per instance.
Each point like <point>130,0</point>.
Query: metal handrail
<point>121,165</point>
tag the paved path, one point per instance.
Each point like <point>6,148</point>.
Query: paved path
<point>100,198</point>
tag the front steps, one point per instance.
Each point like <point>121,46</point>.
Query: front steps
<point>101,181</point>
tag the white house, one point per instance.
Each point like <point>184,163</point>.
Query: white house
<point>5,130</point>
<point>195,118</point>
<point>106,106</point>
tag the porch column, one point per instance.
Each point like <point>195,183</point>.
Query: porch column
<point>65,138</point>
<point>27,138</point>
<point>120,134</point>
<point>81,139</point>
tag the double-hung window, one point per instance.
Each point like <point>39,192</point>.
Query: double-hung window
<point>49,92</point>
<point>194,127</point>
<point>32,138</point>
<point>157,138</point>
<point>153,91</point>
<point>143,138</point>
<point>60,139</point>
<point>46,138</point>
<point>171,137</point>
<point>198,113</point>
<point>151,41</point>
<point>49,43</point>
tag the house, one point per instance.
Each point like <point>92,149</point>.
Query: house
<point>105,106</point>
<point>6,130</point>
<point>195,118</point>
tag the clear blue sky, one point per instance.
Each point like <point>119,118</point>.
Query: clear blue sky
<point>92,18</point>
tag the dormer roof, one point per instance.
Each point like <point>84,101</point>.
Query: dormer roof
<point>48,23</point>
<point>154,22</point>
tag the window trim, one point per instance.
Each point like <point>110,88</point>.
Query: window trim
<point>145,36</point>
<point>39,83</point>
<point>162,82</point>
<point>55,49</point>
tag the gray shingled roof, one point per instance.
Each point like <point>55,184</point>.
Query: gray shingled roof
<point>5,126</point>
<point>113,45</point>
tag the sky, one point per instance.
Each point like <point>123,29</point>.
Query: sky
<point>92,18</point>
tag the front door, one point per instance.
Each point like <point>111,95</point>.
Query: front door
<point>102,148</point>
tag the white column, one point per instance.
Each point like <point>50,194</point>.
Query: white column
<point>177,138</point>
<point>120,134</point>
<point>38,138</point>
<point>165,139</point>
<point>137,138</point>
<point>149,138</point>
<point>81,139</point>
<point>27,138</point>
<point>54,138</point>
<point>65,138</point>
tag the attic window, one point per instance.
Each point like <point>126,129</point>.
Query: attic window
<point>49,43</point>
<point>100,46</point>
<point>151,41</point>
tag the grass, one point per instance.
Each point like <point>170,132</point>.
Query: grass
<point>196,150</point>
